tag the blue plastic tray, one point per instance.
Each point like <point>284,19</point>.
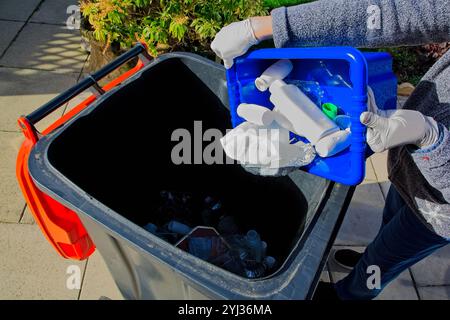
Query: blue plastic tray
<point>355,68</point>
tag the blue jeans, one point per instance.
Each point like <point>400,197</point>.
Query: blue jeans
<point>402,241</point>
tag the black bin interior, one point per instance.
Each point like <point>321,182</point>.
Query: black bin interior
<point>120,154</point>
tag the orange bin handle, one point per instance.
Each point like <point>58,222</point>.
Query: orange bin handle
<point>60,225</point>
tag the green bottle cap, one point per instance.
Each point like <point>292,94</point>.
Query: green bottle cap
<point>330,110</point>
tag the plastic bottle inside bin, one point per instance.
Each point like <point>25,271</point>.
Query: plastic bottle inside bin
<point>177,227</point>
<point>255,245</point>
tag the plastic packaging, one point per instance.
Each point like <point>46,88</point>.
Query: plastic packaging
<point>177,227</point>
<point>266,152</point>
<point>300,115</point>
<point>343,122</point>
<point>278,71</point>
<point>324,76</point>
<point>255,114</point>
<point>150,227</point>
<point>304,116</point>
<point>255,245</point>
<point>330,110</point>
<point>312,89</point>
<point>333,143</point>
<point>269,262</point>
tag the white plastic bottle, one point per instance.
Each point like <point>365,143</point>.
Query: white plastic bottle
<point>278,71</point>
<point>301,116</point>
<point>255,114</point>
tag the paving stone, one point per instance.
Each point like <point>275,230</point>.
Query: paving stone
<point>54,11</point>
<point>24,90</point>
<point>8,30</point>
<point>385,186</point>
<point>401,288</point>
<point>433,270</point>
<point>27,217</point>
<point>17,10</point>
<point>11,199</point>
<point>379,161</point>
<point>363,218</point>
<point>30,267</point>
<point>98,282</point>
<point>370,173</point>
<point>46,47</point>
<point>435,293</point>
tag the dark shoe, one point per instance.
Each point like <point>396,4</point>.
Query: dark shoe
<point>325,291</point>
<point>347,258</point>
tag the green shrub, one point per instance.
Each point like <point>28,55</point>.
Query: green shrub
<point>280,3</point>
<point>165,25</point>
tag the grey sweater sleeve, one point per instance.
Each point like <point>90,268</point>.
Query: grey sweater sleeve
<point>362,23</point>
<point>434,163</point>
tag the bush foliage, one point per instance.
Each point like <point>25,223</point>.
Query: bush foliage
<point>165,25</point>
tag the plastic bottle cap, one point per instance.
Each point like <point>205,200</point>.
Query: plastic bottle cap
<point>261,84</point>
<point>330,110</point>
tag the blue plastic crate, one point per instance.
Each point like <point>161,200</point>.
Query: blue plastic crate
<point>356,70</point>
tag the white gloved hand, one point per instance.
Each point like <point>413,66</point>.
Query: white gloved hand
<point>393,128</point>
<point>233,41</point>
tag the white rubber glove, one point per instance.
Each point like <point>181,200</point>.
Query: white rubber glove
<point>233,41</point>
<point>393,128</point>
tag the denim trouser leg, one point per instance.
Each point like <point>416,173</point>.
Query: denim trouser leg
<point>402,241</point>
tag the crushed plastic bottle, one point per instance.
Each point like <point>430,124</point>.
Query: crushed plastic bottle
<point>311,89</point>
<point>324,76</point>
<point>255,245</point>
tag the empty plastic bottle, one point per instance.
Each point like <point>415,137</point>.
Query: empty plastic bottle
<point>278,71</point>
<point>255,114</point>
<point>177,227</point>
<point>301,116</point>
<point>150,227</point>
<point>254,243</point>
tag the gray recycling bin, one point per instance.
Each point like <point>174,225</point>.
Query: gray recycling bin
<point>111,161</point>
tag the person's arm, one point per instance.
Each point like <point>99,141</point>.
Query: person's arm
<point>362,23</point>
<point>427,140</point>
<point>434,163</point>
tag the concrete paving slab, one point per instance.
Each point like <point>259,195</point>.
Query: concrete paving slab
<point>11,200</point>
<point>433,270</point>
<point>435,293</point>
<point>46,47</point>
<point>24,90</point>
<point>98,281</point>
<point>17,10</point>
<point>31,269</point>
<point>401,288</point>
<point>385,186</point>
<point>77,100</point>
<point>54,11</point>
<point>8,30</point>
<point>363,218</point>
<point>370,173</point>
<point>27,217</point>
<point>379,161</point>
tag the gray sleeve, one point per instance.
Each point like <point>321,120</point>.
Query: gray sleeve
<point>362,23</point>
<point>434,164</point>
